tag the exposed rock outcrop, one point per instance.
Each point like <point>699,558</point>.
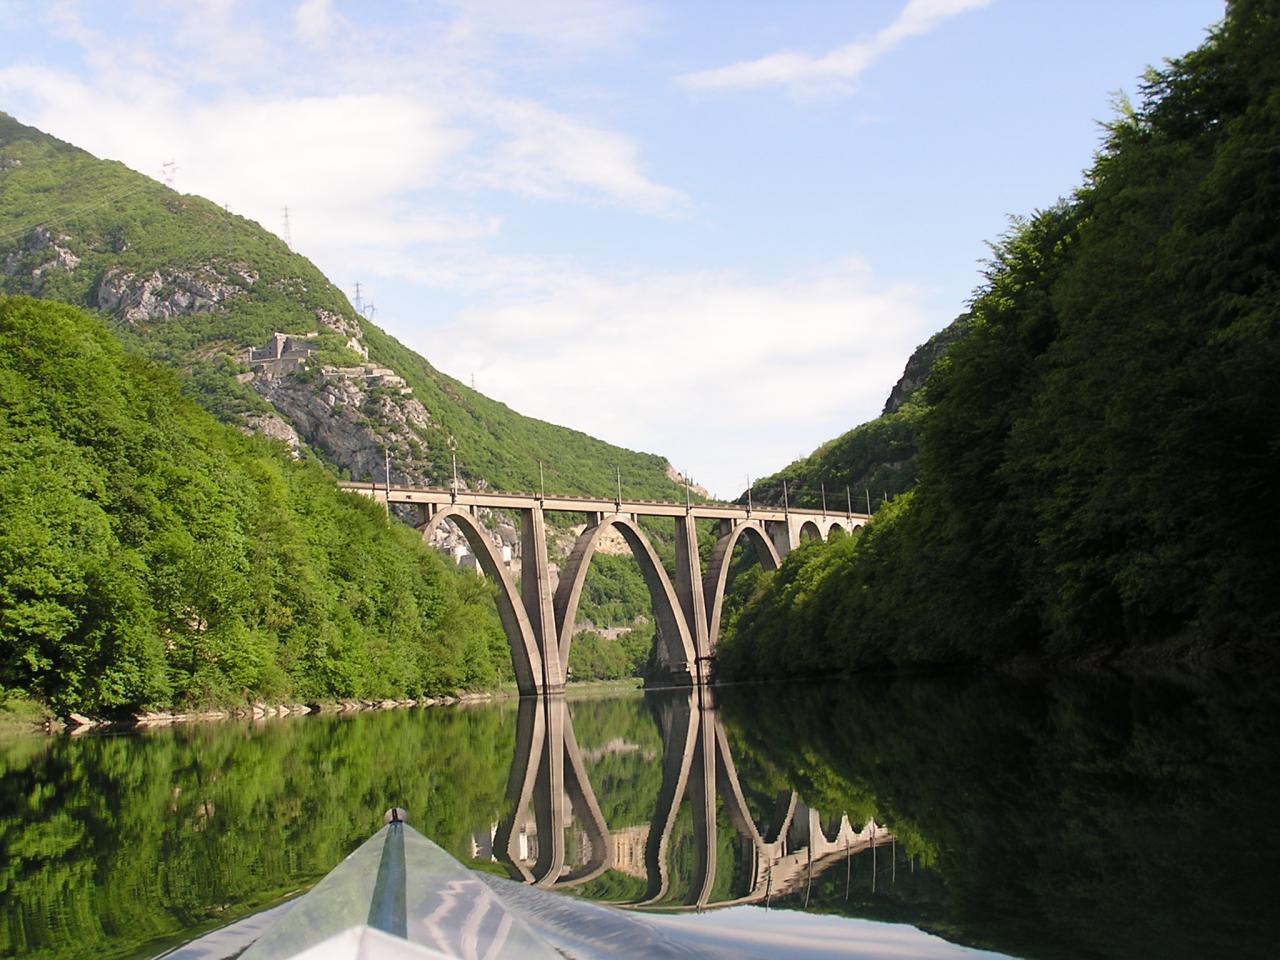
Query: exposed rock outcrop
<point>136,298</point>
<point>345,327</point>
<point>273,426</point>
<point>353,422</point>
<point>922,361</point>
<point>41,254</point>
<point>675,476</point>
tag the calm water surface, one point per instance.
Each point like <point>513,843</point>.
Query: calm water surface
<point>896,818</point>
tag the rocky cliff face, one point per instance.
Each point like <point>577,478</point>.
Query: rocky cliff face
<point>354,418</point>
<point>40,255</point>
<point>921,362</point>
<point>138,298</point>
<point>352,415</point>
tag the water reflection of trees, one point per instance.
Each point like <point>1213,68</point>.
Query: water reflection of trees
<point>108,843</point>
<point>1085,817</point>
<point>1055,820</point>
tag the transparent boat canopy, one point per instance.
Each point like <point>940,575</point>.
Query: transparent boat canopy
<point>399,897</point>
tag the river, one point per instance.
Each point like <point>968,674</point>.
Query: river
<point>887,818</point>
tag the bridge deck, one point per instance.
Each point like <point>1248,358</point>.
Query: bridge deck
<point>643,508</point>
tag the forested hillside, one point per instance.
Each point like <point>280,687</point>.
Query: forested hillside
<point>195,287</point>
<point>150,555</point>
<point>201,291</point>
<point>1100,454</point>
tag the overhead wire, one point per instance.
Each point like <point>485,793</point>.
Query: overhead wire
<point>71,214</point>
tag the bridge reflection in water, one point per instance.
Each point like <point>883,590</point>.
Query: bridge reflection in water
<point>548,772</point>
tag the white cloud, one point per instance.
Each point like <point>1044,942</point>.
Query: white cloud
<point>561,26</point>
<point>218,38</point>
<point>838,69</point>
<point>548,154</point>
<point>260,154</point>
<point>346,144</point>
<point>724,375</point>
<point>313,21</point>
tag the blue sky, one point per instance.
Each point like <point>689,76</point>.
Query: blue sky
<point>711,230</point>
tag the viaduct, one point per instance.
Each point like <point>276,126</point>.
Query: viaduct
<point>539,622</point>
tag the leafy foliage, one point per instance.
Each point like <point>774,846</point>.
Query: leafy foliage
<point>150,555</point>
<point>614,592</point>
<point>1099,455</point>
<point>594,656</point>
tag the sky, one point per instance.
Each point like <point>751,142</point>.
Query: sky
<point>709,229</point>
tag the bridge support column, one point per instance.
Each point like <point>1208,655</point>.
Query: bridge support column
<point>535,591</point>
<point>690,593</point>
<point>782,535</point>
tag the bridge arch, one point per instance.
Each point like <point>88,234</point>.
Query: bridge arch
<point>525,658</point>
<point>675,644</point>
<point>808,531</point>
<point>718,568</point>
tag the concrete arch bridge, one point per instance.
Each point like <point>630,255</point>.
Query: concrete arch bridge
<point>539,620</point>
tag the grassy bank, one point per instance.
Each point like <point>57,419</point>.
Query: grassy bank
<point>20,715</point>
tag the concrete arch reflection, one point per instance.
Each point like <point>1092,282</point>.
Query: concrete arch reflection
<point>793,845</point>
<point>547,771</point>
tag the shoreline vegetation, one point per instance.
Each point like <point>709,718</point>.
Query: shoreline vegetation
<point>152,557</point>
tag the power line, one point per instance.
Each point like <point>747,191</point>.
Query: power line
<point>54,221</point>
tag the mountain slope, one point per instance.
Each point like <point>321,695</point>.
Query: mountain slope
<point>197,288</point>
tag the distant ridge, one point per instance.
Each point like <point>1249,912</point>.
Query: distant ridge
<point>875,460</point>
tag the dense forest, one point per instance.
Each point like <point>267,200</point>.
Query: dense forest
<point>151,555</point>
<point>1099,455</point>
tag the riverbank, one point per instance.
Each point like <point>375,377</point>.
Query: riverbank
<point>20,715</point>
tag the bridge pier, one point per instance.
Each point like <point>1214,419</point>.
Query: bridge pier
<point>689,589</point>
<point>781,535</point>
<point>535,592</point>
